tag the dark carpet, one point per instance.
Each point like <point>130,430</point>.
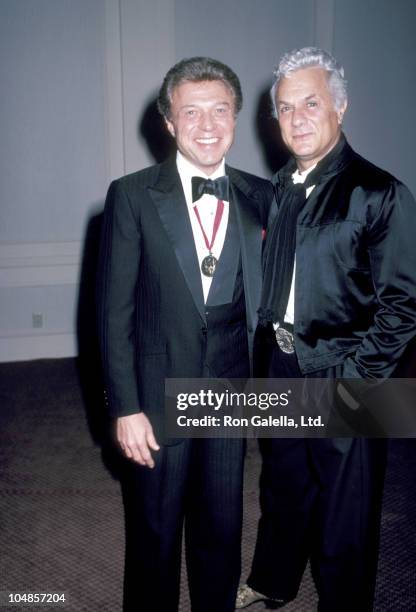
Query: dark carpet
<point>61,510</point>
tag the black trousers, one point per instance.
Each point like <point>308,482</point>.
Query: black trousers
<point>320,500</point>
<point>197,483</point>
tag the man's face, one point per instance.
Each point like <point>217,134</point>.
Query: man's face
<point>309,123</point>
<point>202,121</point>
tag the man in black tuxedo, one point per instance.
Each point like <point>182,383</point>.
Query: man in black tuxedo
<point>179,292</point>
<point>339,302</point>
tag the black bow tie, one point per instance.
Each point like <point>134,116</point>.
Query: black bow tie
<point>218,187</point>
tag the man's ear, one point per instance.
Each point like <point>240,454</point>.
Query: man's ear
<point>171,127</point>
<point>341,112</point>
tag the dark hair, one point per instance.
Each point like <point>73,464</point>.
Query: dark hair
<point>198,69</point>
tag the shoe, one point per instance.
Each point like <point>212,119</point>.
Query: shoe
<point>247,596</point>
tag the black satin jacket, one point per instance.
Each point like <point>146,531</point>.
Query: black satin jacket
<point>355,283</point>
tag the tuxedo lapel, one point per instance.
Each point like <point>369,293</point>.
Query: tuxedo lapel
<point>223,282</point>
<point>245,199</point>
<point>169,200</point>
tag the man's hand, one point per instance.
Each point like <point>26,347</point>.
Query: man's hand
<point>135,436</point>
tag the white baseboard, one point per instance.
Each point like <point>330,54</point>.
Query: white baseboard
<point>37,346</point>
<point>31,265</point>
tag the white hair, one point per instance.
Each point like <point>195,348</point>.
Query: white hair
<point>309,57</point>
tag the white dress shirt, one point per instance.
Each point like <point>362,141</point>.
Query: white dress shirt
<point>207,207</point>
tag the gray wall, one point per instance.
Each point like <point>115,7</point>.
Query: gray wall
<point>51,117</point>
<point>77,79</point>
<point>376,42</point>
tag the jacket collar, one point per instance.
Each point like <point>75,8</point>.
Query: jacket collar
<point>168,178</point>
<point>239,181</point>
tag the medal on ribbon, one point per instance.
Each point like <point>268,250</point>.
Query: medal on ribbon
<point>209,263</point>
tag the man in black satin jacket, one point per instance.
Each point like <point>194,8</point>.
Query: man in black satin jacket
<point>339,301</point>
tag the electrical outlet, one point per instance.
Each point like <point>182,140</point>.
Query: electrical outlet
<point>37,320</point>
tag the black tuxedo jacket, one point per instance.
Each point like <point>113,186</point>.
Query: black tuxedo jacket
<point>151,305</point>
